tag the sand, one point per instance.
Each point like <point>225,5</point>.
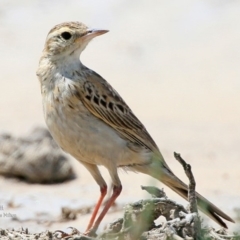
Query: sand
<point>177,66</point>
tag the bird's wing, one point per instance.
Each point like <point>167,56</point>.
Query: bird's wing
<point>106,104</point>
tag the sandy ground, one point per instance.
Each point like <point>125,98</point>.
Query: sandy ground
<point>176,64</point>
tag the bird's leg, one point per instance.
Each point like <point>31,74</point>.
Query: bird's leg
<point>93,169</point>
<point>103,190</point>
<point>116,192</point>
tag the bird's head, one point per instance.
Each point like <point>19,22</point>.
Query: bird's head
<point>69,38</point>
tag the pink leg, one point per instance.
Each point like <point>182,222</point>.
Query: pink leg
<point>95,211</point>
<point>116,192</point>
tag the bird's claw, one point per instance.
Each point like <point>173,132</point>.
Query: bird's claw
<point>90,232</point>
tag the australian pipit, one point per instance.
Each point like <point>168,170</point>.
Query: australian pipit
<point>89,120</point>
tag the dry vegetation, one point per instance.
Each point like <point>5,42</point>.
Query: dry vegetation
<point>138,221</point>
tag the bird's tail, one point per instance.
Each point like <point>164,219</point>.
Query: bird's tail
<point>203,204</point>
<point>160,171</point>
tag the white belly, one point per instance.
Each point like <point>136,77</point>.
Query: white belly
<point>89,139</point>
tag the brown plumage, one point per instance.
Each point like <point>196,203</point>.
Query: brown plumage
<point>89,120</point>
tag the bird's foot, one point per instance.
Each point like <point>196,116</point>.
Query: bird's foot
<point>91,232</point>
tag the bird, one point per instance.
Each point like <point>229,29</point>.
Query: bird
<point>89,120</point>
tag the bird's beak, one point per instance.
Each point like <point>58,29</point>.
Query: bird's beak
<point>92,33</point>
<point>96,32</point>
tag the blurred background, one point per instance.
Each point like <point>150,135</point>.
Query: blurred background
<point>176,63</point>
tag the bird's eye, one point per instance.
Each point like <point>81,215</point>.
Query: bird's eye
<point>66,35</point>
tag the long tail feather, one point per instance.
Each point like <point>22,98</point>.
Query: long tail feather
<point>204,205</point>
